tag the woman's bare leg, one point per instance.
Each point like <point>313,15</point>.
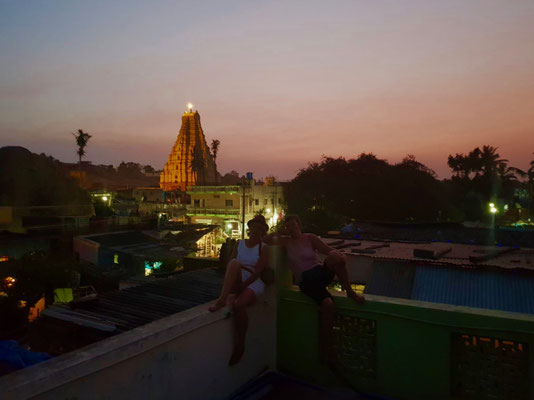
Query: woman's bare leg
<point>233,276</point>
<point>245,298</point>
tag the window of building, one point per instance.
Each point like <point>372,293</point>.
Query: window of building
<point>272,200</point>
<point>216,196</point>
<point>115,258</point>
<point>196,202</point>
<point>279,200</point>
<point>264,202</point>
<point>229,203</point>
<point>257,202</point>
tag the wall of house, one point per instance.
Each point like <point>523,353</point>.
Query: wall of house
<point>86,249</point>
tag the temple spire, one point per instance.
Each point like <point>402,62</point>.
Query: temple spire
<point>190,162</point>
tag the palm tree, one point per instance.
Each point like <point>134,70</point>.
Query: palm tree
<point>490,160</point>
<point>81,141</point>
<point>530,175</point>
<point>509,174</point>
<point>214,150</point>
<point>197,164</point>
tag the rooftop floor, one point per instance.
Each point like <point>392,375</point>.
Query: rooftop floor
<point>275,386</point>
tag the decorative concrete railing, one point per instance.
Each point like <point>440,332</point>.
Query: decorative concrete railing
<point>214,189</point>
<point>181,356</point>
<point>213,211</point>
<point>407,349</point>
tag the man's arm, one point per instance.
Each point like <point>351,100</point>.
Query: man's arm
<point>320,246</point>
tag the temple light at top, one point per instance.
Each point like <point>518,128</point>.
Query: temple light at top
<point>190,107</point>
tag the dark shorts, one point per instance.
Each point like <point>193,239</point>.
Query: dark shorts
<point>314,282</point>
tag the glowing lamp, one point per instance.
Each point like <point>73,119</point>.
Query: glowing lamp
<point>105,198</point>
<point>9,281</point>
<point>229,226</point>
<point>190,107</point>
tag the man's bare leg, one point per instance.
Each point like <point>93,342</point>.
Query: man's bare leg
<point>326,322</point>
<point>233,276</point>
<point>245,298</point>
<point>337,263</point>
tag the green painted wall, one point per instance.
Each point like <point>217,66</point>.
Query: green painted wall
<point>413,341</point>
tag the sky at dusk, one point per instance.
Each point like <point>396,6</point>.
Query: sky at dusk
<point>279,83</point>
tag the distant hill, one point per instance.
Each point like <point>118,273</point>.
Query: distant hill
<point>28,179</point>
<point>128,175</point>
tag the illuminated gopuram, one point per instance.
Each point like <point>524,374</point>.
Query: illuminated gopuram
<point>190,162</point>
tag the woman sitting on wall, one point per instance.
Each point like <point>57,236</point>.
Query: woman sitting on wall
<point>242,285</point>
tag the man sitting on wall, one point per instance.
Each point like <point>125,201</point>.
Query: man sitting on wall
<point>312,276</point>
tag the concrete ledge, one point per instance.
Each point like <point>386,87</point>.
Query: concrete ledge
<point>68,367</point>
<point>161,352</point>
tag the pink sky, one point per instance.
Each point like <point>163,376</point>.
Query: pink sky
<point>279,83</point>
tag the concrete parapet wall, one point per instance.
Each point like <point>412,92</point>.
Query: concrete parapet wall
<point>410,353</point>
<point>181,356</point>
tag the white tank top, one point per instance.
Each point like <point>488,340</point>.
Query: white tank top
<point>247,256</point>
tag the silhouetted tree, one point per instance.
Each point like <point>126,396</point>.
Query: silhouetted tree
<point>215,143</point>
<point>480,177</point>
<point>130,169</point>
<point>367,188</point>
<point>82,138</point>
<point>147,169</point>
<point>530,176</point>
<point>231,178</point>
<point>197,165</point>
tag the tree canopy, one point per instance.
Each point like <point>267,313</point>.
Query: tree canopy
<point>328,193</point>
<point>367,188</point>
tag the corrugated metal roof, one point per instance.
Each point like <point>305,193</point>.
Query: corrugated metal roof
<point>497,290</point>
<point>123,238</point>
<point>515,258</point>
<point>129,308</point>
<point>391,279</point>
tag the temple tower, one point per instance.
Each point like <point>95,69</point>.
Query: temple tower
<point>190,162</point>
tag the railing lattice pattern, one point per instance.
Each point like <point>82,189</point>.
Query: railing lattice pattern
<point>489,368</point>
<point>354,342</point>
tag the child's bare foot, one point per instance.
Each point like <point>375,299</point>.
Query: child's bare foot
<point>356,297</point>
<point>217,305</point>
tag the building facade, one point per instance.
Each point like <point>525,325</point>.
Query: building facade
<point>232,206</point>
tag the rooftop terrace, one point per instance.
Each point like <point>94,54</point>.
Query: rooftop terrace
<point>393,346</point>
